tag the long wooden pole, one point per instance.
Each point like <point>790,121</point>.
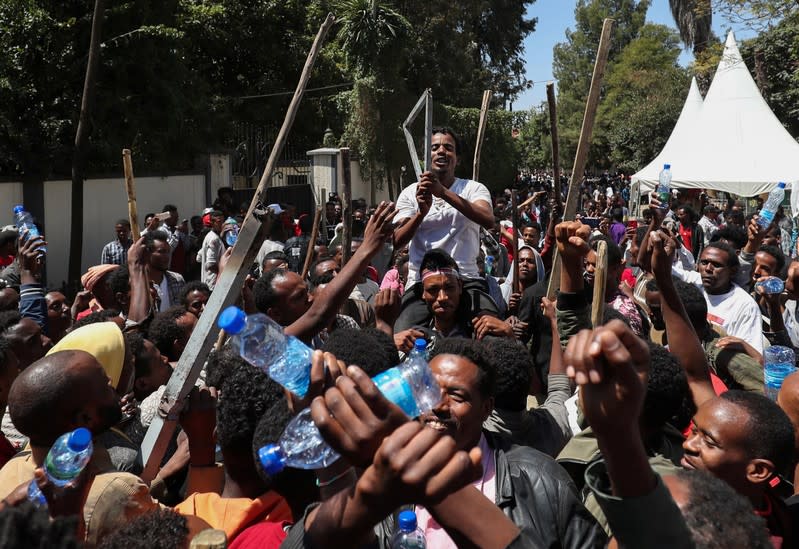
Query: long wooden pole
<point>553,132</point>
<point>481,130</point>
<point>130,188</point>
<point>586,132</point>
<point>82,141</point>
<point>312,244</point>
<point>346,206</point>
<point>225,293</point>
<point>514,241</point>
<point>600,281</point>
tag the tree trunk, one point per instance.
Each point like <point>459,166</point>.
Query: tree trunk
<point>81,144</point>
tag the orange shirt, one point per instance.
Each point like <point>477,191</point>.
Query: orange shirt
<point>235,514</point>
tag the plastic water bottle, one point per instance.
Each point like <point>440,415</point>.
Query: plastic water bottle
<point>411,386</point>
<point>24,222</point>
<point>232,234</point>
<point>489,268</point>
<point>779,363</point>
<point>771,205</point>
<point>408,535</point>
<point>419,350</point>
<point>261,342</point>
<point>64,462</point>
<point>664,187</point>
<point>770,285</point>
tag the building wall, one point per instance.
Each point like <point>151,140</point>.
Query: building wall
<point>104,202</point>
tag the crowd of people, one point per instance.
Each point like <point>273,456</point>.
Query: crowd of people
<point>649,429</point>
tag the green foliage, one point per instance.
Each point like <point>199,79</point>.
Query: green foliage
<point>573,62</point>
<point>645,91</point>
<point>778,49</point>
<point>501,153</point>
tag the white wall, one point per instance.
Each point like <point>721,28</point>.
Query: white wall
<point>104,202</point>
<point>10,196</point>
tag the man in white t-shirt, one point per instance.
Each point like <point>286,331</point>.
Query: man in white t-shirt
<point>445,212</point>
<point>728,305</point>
<point>211,251</point>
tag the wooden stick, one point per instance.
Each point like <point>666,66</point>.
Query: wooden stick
<point>481,129</point>
<point>130,187</point>
<point>570,208</point>
<point>314,233</point>
<point>514,241</point>
<point>600,281</point>
<point>225,293</point>
<point>553,132</point>
<point>346,206</point>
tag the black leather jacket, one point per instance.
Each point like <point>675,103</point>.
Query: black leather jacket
<point>538,496</point>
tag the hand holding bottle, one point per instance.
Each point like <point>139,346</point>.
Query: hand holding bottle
<point>354,417</point>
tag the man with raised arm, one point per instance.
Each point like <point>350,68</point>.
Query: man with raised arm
<point>445,212</point>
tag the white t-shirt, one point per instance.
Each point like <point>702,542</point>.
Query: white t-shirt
<point>734,311</point>
<point>210,254</point>
<point>444,227</point>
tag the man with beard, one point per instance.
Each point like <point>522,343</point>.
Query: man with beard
<point>56,395</point>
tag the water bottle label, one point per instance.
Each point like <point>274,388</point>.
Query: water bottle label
<point>396,389</point>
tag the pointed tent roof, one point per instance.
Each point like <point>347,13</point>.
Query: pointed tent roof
<point>732,143</point>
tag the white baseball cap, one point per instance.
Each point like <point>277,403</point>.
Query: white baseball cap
<point>276,209</point>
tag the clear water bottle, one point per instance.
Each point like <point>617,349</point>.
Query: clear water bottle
<point>232,234</point>
<point>24,222</point>
<point>771,205</point>
<point>489,268</point>
<point>664,187</point>
<point>64,462</point>
<point>261,342</point>
<point>411,386</point>
<point>770,285</point>
<point>419,349</point>
<point>779,363</point>
<point>408,535</point>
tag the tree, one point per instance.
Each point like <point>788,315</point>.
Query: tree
<point>645,91</point>
<point>694,19</point>
<point>573,63</point>
<point>778,48</point>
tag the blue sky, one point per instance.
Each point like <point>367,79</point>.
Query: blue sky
<point>555,16</point>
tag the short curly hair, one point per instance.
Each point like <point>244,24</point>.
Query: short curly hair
<point>354,347</point>
<point>473,351</point>
<point>246,393</point>
<point>514,368</point>
<point>93,318</point>
<point>164,330</point>
<point>119,280</point>
<point>193,286</point>
<point>158,529</point>
<point>770,434</point>
<point>711,504</point>
<point>666,390</point>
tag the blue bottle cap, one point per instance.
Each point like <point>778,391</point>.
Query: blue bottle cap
<point>18,208</point>
<point>781,184</point>
<point>666,166</point>
<point>232,320</point>
<point>420,344</point>
<point>407,521</point>
<point>79,439</point>
<point>270,459</point>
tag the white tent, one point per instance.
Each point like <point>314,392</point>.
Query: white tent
<point>732,142</point>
